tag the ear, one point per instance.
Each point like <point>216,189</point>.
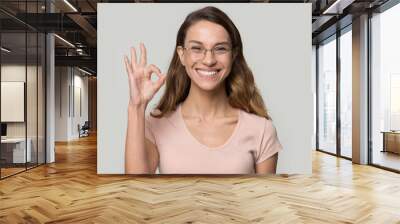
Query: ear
<point>179,50</point>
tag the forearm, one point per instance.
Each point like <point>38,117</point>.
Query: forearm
<point>136,160</point>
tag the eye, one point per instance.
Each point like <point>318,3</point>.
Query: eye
<point>221,50</point>
<point>196,49</point>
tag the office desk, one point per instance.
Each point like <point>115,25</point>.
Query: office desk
<point>391,141</point>
<point>15,148</point>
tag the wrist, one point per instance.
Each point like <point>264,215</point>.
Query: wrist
<point>137,107</point>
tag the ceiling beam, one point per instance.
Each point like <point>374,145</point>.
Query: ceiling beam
<point>337,7</point>
<point>85,61</point>
<point>84,24</point>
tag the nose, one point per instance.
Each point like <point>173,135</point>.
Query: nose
<point>209,58</point>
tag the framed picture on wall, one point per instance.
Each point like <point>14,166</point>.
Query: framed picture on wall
<point>12,101</point>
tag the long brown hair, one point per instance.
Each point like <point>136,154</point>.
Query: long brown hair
<point>239,85</point>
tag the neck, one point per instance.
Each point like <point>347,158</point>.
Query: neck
<point>206,104</point>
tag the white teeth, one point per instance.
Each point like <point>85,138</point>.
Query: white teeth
<point>207,73</point>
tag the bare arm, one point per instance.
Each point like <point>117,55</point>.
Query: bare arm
<point>141,156</point>
<point>136,160</point>
<point>268,166</point>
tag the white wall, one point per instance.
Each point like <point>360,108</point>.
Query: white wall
<point>277,48</point>
<point>314,91</point>
<point>67,117</point>
<point>61,103</point>
<point>80,84</point>
<point>33,127</point>
<point>12,73</point>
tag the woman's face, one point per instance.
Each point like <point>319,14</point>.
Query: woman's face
<point>206,54</point>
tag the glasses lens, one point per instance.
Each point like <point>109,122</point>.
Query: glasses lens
<point>197,52</point>
<point>221,50</point>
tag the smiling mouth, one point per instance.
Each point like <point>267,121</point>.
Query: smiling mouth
<point>208,73</point>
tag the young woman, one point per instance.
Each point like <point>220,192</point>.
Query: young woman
<point>211,118</point>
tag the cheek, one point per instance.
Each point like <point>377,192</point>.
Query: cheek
<point>228,65</point>
<point>187,62</point>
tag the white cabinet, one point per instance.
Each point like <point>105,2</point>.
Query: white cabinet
<point>18,149</point>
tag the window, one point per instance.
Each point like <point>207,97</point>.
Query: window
<point>22,65</point>
<point>346,93</point>
<point>385,88</point>
<point>327,96</point>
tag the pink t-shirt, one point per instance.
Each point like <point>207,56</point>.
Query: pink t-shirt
<point>254,140</point>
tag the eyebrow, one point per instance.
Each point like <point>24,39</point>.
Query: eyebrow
<point>219,43</point>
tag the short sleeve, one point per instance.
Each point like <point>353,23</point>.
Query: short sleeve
<point>269,143</point>
<point>148,132</point>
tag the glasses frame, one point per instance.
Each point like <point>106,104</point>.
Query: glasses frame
<point>205,50</point>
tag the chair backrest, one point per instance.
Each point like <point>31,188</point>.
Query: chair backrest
<point>86,125</point>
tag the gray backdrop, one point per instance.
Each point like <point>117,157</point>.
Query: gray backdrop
<point>277,47</point>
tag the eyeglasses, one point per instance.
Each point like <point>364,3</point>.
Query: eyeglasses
<point>199,52</point>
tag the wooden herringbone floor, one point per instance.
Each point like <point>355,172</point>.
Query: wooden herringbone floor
<point>70,191</point>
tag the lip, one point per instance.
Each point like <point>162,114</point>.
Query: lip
<point>208,70</point>
<point>208,77</point>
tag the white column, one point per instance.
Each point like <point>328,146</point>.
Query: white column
<point>360,90</point>
<point>50,103</point>
<point>50,110</point>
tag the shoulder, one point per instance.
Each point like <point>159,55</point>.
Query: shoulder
<point>257,125</point>
<point>254,121</point>
<point>160,121</point>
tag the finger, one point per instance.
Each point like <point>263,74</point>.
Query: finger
<point>128,66</point>
<point>133,57</point>
<point>160,82</point>
<point>143,55</point>
<point>152,69</point>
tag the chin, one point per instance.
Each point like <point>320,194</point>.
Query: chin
<point>207,86</point>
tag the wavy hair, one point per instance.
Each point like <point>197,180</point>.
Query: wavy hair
<point>239,85</point>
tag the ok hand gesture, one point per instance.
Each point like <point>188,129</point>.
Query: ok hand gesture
<point>141,88</point>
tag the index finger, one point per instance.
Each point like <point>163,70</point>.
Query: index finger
<point>143,55</point>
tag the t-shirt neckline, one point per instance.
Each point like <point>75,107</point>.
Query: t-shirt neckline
<point>217,148</point>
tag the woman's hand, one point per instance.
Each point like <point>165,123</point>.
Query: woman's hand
<point>141,88</point>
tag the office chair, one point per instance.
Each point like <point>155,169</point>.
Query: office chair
<point>84,130</point>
